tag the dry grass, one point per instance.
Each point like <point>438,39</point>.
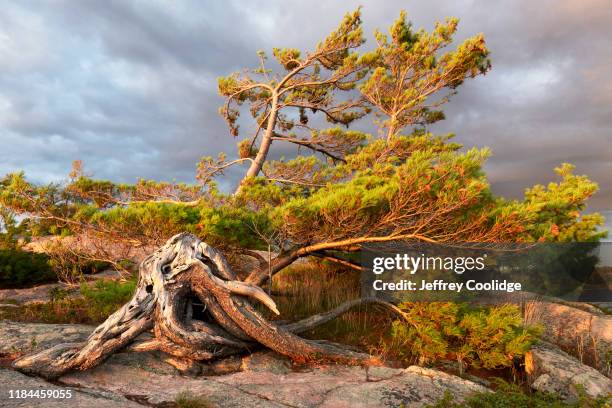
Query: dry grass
<point>307,289</point>
<point>186,399</point>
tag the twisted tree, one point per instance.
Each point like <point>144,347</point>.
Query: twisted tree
<point>185,267</point>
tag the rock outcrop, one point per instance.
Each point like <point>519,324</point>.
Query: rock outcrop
<point>268,381</point>
<point>586,333</point>
<point>551,370</point>
<point>20,338</point>
<point>261,379</point>
<point>13,380</point>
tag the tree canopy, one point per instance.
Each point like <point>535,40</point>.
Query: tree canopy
<point>344,187</point>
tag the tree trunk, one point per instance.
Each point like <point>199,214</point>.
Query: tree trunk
<point>185,268</point>
<point>266,142</point>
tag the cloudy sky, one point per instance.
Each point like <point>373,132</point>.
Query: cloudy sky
<point>130,86</point>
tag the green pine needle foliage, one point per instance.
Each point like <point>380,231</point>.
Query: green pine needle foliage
<point>490,338</point>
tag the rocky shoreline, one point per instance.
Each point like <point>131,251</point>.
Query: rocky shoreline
<point>263,379</point>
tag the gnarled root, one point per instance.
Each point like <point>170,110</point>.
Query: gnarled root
<point>183,269</point>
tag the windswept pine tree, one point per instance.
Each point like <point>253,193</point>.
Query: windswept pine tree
<point>344,188</point>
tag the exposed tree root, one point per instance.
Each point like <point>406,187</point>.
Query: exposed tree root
<point>183,268</point>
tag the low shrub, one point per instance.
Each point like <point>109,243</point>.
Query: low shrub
<point>65,311</point>
<point>20,268</point>
<point>70,265</point>
<point>489,338</point>
<point>105,297</point>
<point>93,305</point>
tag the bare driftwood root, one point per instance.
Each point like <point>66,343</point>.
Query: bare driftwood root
<point>186,268</point>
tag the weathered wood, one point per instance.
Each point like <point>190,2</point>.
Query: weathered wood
<point>168,279</point>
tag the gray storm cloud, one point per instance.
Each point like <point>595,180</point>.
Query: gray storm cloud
<point>130,87</point>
